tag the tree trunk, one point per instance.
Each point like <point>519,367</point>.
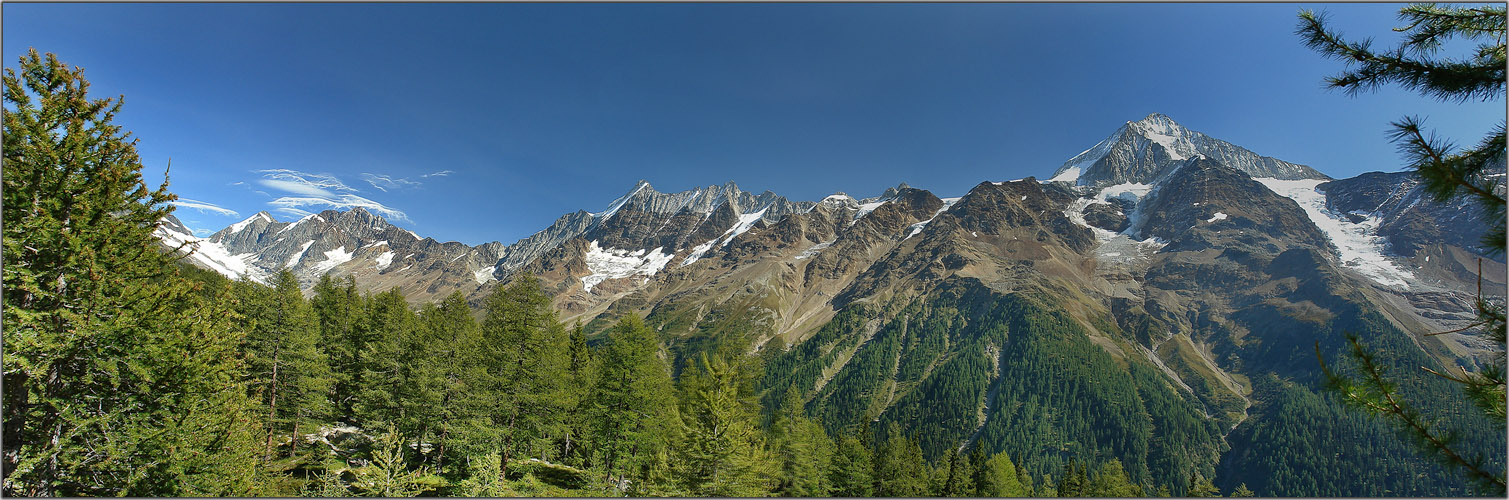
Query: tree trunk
<point>272,409</point>
<point>16,405</point>
<point>293,446</point>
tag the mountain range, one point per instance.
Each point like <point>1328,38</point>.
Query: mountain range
<point>1195,279</point>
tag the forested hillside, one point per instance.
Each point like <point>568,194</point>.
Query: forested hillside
<point>939,363</point>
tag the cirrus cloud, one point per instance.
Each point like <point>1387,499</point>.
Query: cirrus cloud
<point>312,190</point>
<point>204,207</point>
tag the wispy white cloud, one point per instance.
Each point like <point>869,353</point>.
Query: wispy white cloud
<point>204,207</point>
<point>441,173</point>
<point>296,213</point>
<point>344,201</point>
<point>384,182</point>
<point>307,190</point>
<point>304,183</point>
<point>202,232</point>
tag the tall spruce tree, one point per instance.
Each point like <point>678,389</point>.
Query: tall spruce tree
<point>723,453</point>
<point>525,355</point>
<point>584,371</point>
<point>900,469</point>
<point>120,378</point>
<point>1446,172</point>
<point>385,364</point>
<point>852,472</point>
<point>446,360</point>
<point>634,406</point>
<point>803,448</point>
<point>288,369</point>
<point>340,309</point>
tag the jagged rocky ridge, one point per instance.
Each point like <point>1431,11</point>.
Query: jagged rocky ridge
<point>1141,151</point>
<point>1171,252</point>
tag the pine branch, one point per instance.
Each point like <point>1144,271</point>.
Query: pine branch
<point>1379,396</point>
<point>1479,78</point>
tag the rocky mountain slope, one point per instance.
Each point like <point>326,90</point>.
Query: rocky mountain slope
<point>1194,278</point>
<point>1141,151</point>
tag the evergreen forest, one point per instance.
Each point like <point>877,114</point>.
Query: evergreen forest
<point>129,372</point>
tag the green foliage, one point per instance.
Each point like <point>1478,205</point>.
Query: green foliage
<point>121,375</point>
<point>803,449</point>
<point>524,358</point>
<point>853,465</point>
<point>1110,480</point>
<point>343,333</point>
<point>1200,486</point>
<point>999,477</point>
<point>900,470</point>
<point>1446,173</point>
<point>388,475</point>
<point>634,406</point>
<point>286,363</point>
<point>446,369</point>
<point>723,452</point>
<point>1074,482</point>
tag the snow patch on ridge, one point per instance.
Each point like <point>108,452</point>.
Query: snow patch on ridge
<point>1070,174</point>
<point>947,202</point>
<point>237,227</point>
<point>384,260</point>
<point>332,258</point>
<point>211,255</point>
<point>484,275</point>
<point>611,263</point>
<point>698,251</point>
<point>301,221</point>
<point>619,203</point>
<point>865,209</point>
<point>746,221</point>
<point>1216,217</point>
<point>293,261</point>
<point>1358,245</point>
<point>808,253</point>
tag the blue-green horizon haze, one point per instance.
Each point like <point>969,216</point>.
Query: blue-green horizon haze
<point>486,122</point>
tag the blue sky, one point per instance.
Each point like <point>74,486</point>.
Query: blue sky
<point>483,122</point>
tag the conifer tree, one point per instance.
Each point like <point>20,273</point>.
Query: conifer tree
<point>723,453</point>
<point>340,309</point>
<point>999,478</point>
<point>1111,481</point>
<point>1074,483</point>
<point>1200,486</point>
<point>959,478</point>
<point>120,378</point>
<point>288,368</point>
<point>803,448</point>
<point>584,371</point>
<point>900,469</point>
<point>447,369</point>
<point>525,358</point>
<point>1446,172</point>
<point>384,363</point>
<point>634,406</point>
<point>852,473</point>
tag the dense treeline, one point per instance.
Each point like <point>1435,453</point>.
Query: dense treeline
<point>359,394</point>
<point>128,372</point>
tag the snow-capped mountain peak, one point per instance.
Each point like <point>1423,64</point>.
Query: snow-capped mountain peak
<point>1140,151</point>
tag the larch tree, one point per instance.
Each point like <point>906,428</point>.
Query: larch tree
<point>1446,171</point>
<point>634,406</point>
<point>525,357</point>
<point>288,369</point>
<point>723,452</point>
<point>120,377</point>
